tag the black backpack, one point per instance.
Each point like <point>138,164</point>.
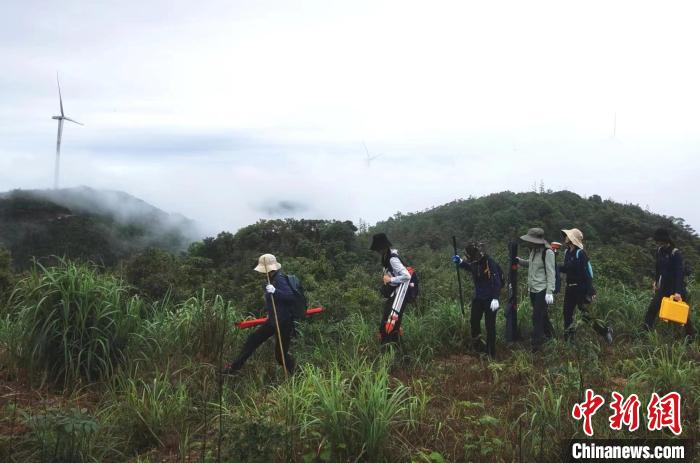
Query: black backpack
<point>413,285</point>
<point>300,302</point>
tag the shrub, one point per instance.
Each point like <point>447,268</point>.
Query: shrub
<point>75,322</point>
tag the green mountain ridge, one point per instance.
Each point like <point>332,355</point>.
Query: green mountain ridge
<point>99,225</point>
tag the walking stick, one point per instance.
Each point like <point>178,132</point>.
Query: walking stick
<point>459,279</point>
<point>277,324</point>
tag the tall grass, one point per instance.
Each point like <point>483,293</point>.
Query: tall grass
<point>349,412</point>
<point>75,322</point>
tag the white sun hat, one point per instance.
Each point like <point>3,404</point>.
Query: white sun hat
<point>267,263</point>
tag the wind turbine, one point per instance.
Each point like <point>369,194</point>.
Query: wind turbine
<point>369,158</point>
<point>60,120</point>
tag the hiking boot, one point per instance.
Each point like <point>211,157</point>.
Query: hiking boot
<point>609,336</point>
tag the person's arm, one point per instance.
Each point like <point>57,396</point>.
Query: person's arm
<point>495,279</point>
<point>550,269</point>
<point>677,268</point>
<point>402,275</point>
<point>466,265</point>
<point>523,262</point>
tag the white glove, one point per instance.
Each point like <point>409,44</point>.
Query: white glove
<point>494,305</point>
<point>270,289</point>
<point>549,299</point>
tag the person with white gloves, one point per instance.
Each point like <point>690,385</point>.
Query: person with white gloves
<point>541,283</point>
<point>279,289</point>
<point>488,280</point>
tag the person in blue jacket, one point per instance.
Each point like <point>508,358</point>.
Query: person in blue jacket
<point>669,279</point>
<point>488,280</point>
<point>279,289</point>
<point>579,290</point>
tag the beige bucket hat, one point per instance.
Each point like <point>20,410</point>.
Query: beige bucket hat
<point>535,235</point>
<point>267,263</point>
<point>575,236</point>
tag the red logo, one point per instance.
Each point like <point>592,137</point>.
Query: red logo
<point>626,413</point>
<point>665,412</point>
<point>587,409</point>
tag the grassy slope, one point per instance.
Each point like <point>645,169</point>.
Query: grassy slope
<point>161,405</point>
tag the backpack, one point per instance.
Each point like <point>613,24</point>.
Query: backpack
<point>497,272</point>
<point>300,302</point>
<point>413,285</point>
<point>589,267</point>
<point>557,275</point>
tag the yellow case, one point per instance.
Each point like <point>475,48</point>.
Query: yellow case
<point>672,311</point>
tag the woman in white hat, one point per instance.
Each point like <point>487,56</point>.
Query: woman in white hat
<point>279,289</point>
<point>579,290</point>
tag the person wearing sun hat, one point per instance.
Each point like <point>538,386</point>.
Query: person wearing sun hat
<point>579,285</point>
<point>541,283</point>
<point>276,287</point>
<point>669,279</point>
<point>396,280</point>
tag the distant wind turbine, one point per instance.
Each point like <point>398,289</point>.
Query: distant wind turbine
<point>370,158</point>
<point>60,120</point>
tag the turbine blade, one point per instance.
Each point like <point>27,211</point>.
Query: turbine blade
<point>75,122</point>
<point>60,98</point>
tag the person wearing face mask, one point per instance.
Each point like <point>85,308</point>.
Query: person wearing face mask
<point>488,280</point>
<point>541,283</point>
<point>579,290</point>
<point>669,279</point>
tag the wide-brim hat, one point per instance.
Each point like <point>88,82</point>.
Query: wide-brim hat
<point>536,236</point>
<point>575,236</point>
<point>380,242</point>
<point>267,263</point>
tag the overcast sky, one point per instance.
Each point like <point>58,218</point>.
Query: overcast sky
<point>230,111</point>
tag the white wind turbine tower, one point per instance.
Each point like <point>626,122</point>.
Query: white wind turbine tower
<point>369,157</point>
<point>60,120</point>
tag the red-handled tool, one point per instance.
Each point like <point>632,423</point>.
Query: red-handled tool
<point>259,321</point>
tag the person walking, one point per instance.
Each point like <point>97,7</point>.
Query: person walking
<point>488,280</point>
<point>669,280</point>
<point>279,317</point>
<point>579,291</point>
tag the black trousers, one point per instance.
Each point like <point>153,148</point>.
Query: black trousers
<point>482,308</point>
<point>541,325</point>
<point>262,334</point>
<point>653,314</point>
<point>574,298</point>
<point>394,335</point>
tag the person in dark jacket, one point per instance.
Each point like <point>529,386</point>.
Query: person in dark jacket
<point>669,279</point>
<point>396,280</point>
<point>279,289</point>
<point>488,280</point>
<point>579,290</point>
